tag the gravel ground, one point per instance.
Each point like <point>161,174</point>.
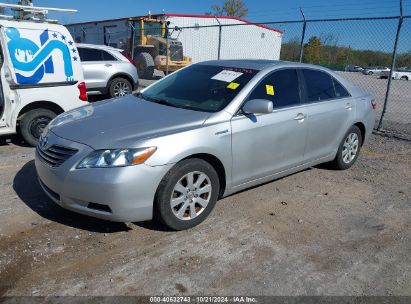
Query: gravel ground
<point>318,232</point>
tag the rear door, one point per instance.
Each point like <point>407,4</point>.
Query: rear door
<point>266,144</point>
<point>97,66</point>
<point>330,109</point>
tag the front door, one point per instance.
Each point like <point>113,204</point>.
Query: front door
<point>266,144</point>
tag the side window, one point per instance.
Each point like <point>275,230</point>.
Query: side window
<point>281,87</point>
<point>340,91</point>
<point>319,85</point>
<point>108,57</point>
<point>87,54</point>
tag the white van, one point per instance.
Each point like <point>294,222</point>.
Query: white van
<point>41,76</point>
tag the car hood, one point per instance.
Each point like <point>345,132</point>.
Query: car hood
<point>122,122</point>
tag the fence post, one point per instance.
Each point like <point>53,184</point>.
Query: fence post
<point>302,36</point>
<point>133,38</point>
<point>167,48</point>
<point>219,38</point>
<point>394,57</point>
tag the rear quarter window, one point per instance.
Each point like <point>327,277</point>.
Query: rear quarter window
<point>340,91</point>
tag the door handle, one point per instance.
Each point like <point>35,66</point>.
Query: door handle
<point>300,117</point>
<point>108,65</point>
<point>348,106</point>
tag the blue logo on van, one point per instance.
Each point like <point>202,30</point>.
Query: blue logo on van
<point>27,56</point>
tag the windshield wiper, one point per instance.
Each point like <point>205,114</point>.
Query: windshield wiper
<point>161,101</point>
<point>139,94</point>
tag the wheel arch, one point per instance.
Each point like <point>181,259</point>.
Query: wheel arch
<point>362,128</point>
<point>217,164</point>
<point>43,104</point>
<point>121,75</point>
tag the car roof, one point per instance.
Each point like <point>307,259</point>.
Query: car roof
<point>259,64</point>
<point>98,46</point>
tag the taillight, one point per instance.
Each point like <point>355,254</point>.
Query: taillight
<point>132,61</point>
<point>374,104</point>
<point>83,91</point>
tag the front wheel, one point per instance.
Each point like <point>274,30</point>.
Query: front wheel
<point>33,123</point>
<point>349,149</point>
<point>187,194</point>
<point>404,78</point>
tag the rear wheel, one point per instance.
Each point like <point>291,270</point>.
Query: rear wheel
<point>120,87</point>
<point>370,73</point>
<point>145,65</point>
<point>33,123</point>
<point>349,149</point>
<point>187,194</point>
<point>404,78</point>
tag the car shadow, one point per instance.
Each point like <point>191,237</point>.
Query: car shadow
<point>28,189</point>
<point>15,139</point>
<point>153,225</point>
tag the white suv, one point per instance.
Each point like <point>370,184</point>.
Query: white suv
<point>107,70</point>
<point>41,76</point>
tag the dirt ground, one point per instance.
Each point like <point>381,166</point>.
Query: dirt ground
<point>318,232</point>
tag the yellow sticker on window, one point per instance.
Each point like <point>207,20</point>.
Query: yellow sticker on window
<point>270,89</point>
<point>233,85</point>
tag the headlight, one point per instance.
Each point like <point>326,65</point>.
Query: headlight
<point>116,158</point>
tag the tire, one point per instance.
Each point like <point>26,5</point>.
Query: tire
<point>189,209</point>
<point>145,65</point>
<point>33,123</point>
<point>370,73</point>
<point>404,78</point>
<point>349,149</point>
<point>119,87</point>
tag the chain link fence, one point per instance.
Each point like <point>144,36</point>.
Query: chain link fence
<point>358,49</point>
<point>363,50</point>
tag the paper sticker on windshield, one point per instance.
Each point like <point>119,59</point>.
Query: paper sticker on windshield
<point>270,89</point>
<point>227,76</point>
<point>233,85</point>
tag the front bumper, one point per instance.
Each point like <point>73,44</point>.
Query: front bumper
<point>123,194</point>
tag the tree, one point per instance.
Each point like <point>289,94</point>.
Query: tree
<point>290,50</point>
<point>234,8</point>
<point>312,50</point>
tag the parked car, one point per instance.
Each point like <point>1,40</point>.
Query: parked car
<point>203,132</point>
<point>402,73</point>
<point>41,75</point>
<point>108,70</point>
<point>353,68</point>
<point>375,70</point>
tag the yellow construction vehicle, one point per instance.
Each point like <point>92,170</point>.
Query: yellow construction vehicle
<point>149,38</point>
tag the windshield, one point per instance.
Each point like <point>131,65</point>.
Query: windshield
<point>200,87</point>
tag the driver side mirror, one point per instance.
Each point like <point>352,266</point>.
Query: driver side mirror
<point>258,106</point>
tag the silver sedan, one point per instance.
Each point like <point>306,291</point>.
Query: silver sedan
<point>202,133</point>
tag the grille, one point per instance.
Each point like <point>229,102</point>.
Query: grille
<point>55,156</point>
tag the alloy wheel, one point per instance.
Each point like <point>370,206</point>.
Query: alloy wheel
<point>191,195</point>
<point>121,89</point>
<point>350,148</point>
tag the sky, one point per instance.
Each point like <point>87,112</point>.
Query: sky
<point>367,34</point>
<point>259,10</point>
